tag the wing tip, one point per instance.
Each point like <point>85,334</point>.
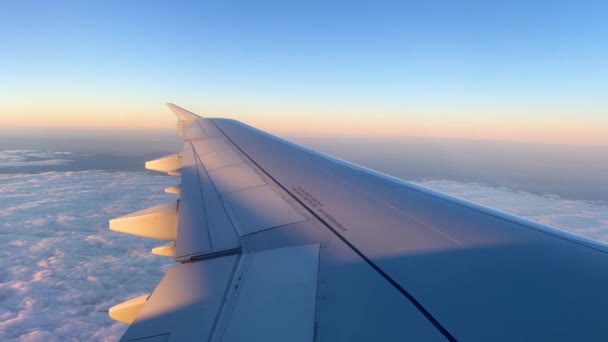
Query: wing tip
<point>181,112</point>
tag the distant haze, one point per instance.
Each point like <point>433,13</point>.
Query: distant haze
<point>569,171</point>
<point>114,142</point>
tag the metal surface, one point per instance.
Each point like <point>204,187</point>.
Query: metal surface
<point>354,303</point>
<point>127,311</point>
<point>234,178</point>
<point>159,222</point>
<point>165,164</point>
<point>174,190</point>
<point>259,208</point>
<point>186,301</point>
<point>216,160</point>
<point>221,229</point>
<point>193,234</point>
<point>278,310</point>
<point>167,250</point>
<point>205,146</point>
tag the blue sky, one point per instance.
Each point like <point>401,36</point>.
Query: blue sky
<point>507,60</point>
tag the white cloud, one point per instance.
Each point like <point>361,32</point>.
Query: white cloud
<point>21,158</point>
<point>60,264</point>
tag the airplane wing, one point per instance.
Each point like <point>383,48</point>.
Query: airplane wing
<point>276,242</point>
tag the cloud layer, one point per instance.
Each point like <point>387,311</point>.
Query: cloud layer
<point>60,265</point>
<point>21,158</point>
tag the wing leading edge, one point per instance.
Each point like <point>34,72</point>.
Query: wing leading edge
<point>277,242</point>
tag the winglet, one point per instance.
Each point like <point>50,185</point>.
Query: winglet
<point>181,113</point>
<point>184,117</point>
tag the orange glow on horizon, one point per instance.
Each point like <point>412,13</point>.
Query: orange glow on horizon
<point>558,132</point>
<point>590,131</point>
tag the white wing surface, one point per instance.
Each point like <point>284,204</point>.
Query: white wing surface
<point>275,242</point>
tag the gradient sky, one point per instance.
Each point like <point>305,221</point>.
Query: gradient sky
<point>510,70</point>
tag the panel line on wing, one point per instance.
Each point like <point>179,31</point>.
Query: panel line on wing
<point>225,300</point>
<point>201,127</point>
<point>259,208</point>
<point>193,230</point>
<point>200,186</point>
<point>278,310</point>
<point>220,159</point>
<point>365,193</point>
<point>232,223</point>
<point>250,208</point>
<point>210,145</point>
<point>234,178</point>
